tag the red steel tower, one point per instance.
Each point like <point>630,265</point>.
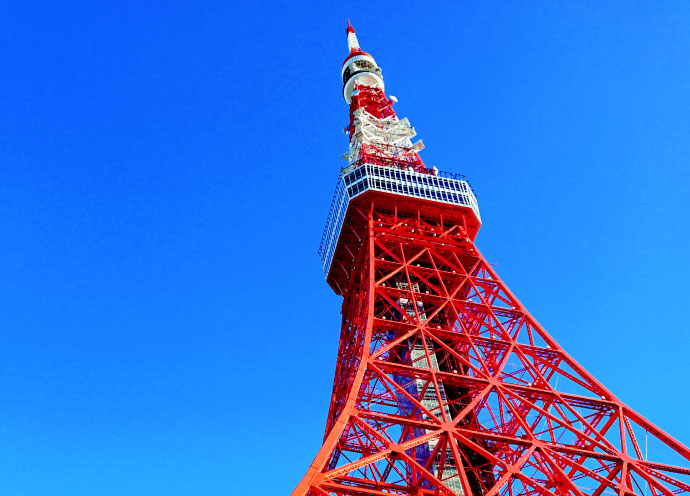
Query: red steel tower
<point>445,384</point>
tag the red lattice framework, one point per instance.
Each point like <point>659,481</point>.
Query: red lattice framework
<point>446,385</point>
<point>375,103</point>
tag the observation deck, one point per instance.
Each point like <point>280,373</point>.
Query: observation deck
<point>442,188</point>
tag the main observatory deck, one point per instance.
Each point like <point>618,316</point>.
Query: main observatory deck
<point>442,187</point>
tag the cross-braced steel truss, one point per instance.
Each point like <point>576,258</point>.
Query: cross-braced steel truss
<point>446,385</point>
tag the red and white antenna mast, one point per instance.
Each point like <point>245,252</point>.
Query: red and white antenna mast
<point>376,134</point>
<point>352,42</point>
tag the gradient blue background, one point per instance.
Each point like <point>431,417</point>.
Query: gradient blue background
<point>165,174</point>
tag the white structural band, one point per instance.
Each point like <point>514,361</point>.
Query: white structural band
<point>444,188</point>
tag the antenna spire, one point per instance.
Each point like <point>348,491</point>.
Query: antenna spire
<point>352,42</point>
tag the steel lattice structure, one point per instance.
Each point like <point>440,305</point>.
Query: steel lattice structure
<point>445,384</point>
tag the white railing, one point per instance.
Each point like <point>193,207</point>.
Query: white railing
<point>441,187</point>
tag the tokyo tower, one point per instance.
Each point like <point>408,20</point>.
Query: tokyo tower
<point>445,384</point>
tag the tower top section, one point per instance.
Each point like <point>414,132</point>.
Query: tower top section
<point>359,67</point>
<point>383,164</point>
<point>352,42</point>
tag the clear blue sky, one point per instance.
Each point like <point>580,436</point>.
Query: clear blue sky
<point>165,174</point>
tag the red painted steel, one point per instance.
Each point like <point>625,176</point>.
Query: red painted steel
<point>375,102</point>
<point>446,385</point>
